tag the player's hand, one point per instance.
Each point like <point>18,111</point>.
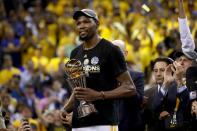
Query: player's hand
<point>163,115</point>
<point>66,118</point>
<point>25,126</point>
<point>86,94</point>
<point>144,102</point>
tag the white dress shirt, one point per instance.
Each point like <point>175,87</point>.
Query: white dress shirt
<point>187,41</point>
<point>164,91</point>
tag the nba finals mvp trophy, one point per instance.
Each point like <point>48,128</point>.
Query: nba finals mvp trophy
<point>77,78</point>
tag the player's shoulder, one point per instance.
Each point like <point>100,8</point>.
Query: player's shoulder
<point>108,44</point>
<point>138,73</point>
<point>76,49</point>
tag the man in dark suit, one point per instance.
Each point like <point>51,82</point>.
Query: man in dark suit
<point>157,95</point>
<point>129,109</point>
<point>182,64</point>
<point>167,99</point>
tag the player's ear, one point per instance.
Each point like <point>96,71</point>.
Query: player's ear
<point>97,24</point>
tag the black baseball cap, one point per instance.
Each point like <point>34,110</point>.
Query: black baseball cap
<point>85,12</point>
<point>167,60</point>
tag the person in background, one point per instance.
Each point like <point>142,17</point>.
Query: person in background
<point>8,70</point>
<point>188,48</point>
<point>11,45</point>
<point>130,108</point>
<point>156,97</point>
<point>168,100</point>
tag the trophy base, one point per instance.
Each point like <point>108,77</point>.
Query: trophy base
<point>86,110</point>
<point>173,125</point>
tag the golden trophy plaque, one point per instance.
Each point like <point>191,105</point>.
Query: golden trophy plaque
<point>77,78</point>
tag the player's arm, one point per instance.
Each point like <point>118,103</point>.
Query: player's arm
<point>66,112</point>
<point>126,87</point>
<point>68,107</point>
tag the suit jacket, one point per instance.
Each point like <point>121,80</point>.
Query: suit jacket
<point>158,102</point>
<point>194,124</point>
<point>130,110</point>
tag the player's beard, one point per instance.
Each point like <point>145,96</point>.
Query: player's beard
<point>87,37</point>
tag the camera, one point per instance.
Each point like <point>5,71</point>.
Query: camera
<point>191,82</point>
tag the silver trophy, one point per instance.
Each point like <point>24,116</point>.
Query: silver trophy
<point>77,78</point>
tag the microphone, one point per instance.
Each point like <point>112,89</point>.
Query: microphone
<point>191,82</point>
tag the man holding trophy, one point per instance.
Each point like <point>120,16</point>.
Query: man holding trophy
<point>98,74</point>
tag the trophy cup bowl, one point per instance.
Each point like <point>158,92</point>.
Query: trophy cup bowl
<point>77,78</point>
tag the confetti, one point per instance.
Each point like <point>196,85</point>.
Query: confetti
<point>146,8</point>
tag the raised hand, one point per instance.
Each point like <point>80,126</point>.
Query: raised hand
<point>168,75</point>
<point>181,10</point>
<point>179,72</point>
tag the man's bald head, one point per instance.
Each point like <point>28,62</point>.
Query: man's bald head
<point>121,45</point>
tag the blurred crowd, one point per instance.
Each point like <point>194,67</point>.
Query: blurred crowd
<point>37,36</point>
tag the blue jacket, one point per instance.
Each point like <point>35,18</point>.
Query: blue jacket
<point>130,108</point>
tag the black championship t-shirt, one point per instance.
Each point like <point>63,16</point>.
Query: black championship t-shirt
<point>103,63</point>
